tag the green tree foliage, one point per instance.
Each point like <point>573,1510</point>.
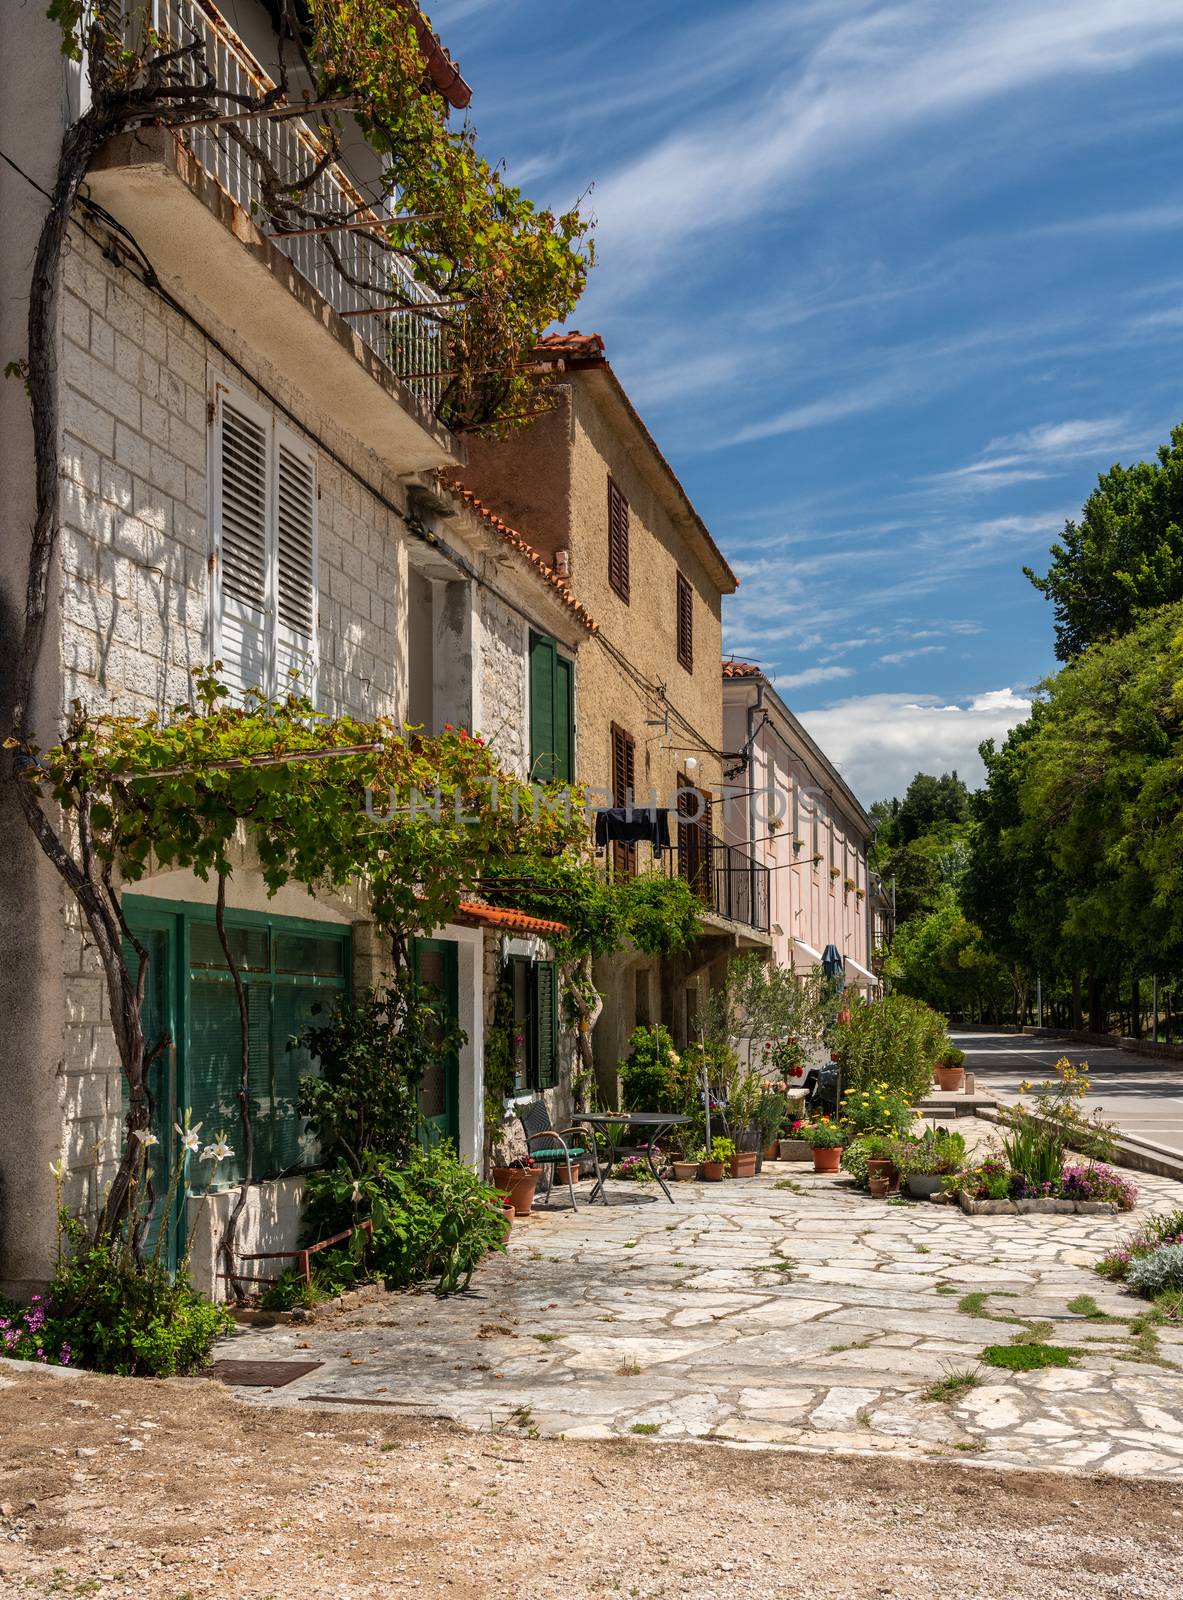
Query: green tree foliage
<point>928,802</point>
<point>1103,784</point>
<point>942,958</point>
<point>1125,555</point>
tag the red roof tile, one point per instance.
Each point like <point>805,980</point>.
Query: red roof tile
<point>572,345</point>
<point>478,914</point>
<point>524,549</point>
<point>441,69</point>
<point>742,669</point>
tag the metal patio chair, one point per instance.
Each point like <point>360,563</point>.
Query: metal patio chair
<point>554,1147</point>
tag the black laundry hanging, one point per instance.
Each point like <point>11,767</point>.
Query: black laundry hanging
<point>628,825</point>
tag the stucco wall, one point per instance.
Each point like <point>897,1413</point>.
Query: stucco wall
<point>527,479</point>
<point>808,901</point>
<point>503,683</point>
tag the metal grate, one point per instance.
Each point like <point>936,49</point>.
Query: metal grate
<point>261,1374</point>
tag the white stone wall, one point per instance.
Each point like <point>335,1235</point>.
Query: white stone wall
<point>504,683</point>
<point>134,598</point>
<point>135,537</point>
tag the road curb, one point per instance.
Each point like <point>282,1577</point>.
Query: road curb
<point>1127,1152</point>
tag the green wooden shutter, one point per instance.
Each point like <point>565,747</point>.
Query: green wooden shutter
<point>542,708</point>
<point>564,718</point>
<point>214,1069</point>
<point>546,1019</point>
<point>292,1147</point>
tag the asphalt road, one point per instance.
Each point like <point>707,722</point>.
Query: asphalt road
<point>1143,1096</point>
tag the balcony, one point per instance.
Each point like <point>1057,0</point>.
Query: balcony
<point>148,181</point>
<point>728,881</point>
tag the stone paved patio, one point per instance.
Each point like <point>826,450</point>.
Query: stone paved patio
<point>811,1317</point>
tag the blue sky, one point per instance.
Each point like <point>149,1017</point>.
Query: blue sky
<point>891,283</point>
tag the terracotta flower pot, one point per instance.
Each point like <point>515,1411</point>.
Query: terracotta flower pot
<point>562,1173</point>
<point>743,1164</point>
<point>712,1171</point>
<point>827,1159</point>
<point>794,1150</point>
<point>685,1171</point>
<point>508,1211</point>
<point>879,1188</point>
<point>771,1151</point>
<point>883,1167</point>
<point>518,1185</point>
<point>951,1079</point>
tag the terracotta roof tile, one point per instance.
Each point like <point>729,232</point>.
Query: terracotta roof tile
<point>476,912</point>
<point>742,669</point>
<point>573,344</point>
<point>524,549</point>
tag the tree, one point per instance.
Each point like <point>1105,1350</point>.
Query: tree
<point>1125,555</point>
<point>942,959</point>
<point>1103,784</point>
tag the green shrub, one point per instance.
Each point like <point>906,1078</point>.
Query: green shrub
<point>654,1078</point>
<point>373,1049</point>
<point>113,1315</point>
<point>291,1290</point>
<point>937,1153</point>
<point>1155,1231</point>
<point>1162,1269</point>
<point>893,1040</point>
<point>876,1109</point>
<point>432,1218</point>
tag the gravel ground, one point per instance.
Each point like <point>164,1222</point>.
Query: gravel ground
<point>121,1488</point>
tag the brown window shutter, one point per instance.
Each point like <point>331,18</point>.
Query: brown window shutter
<point>618,564</point>
<point>624,784</point>
<point>685,623</point>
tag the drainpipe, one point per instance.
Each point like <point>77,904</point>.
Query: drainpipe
<point>753,707</point>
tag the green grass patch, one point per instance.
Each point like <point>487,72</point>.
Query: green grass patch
<point>970,1446</point>
<point>973,1304</point>
<point>790,1184</point>
<point>645,1427</point>
<point>955,1383</point>
<point>1032,1332</point>
<point>547,1338</point>
<point>946,1288</point>
<point>1027,1357</point>
<point>1168,1304</point>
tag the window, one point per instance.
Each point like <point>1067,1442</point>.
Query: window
<point>617,541</point>
<point>624,785</point>
<point>263,522</point>
<point>536,1023</point>
<point>293,973</point>
<point>685,623</point>
<point>552,713</point>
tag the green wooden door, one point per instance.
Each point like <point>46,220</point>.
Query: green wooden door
<point>160,1015</point>
<point>439,1094</point>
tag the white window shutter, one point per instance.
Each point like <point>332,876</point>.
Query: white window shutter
<point>241,516</point>
<point>296,566</point>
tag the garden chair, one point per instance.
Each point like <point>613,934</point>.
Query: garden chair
<point>552,1147</point>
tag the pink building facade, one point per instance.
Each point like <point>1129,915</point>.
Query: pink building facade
<point>790,808</point>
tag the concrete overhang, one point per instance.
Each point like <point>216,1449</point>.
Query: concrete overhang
<point>207,252</point>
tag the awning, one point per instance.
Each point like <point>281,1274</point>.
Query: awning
<point>863,974</point>
<point>807,950</point>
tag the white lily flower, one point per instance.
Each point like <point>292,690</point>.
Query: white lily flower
<point>356,1191</point>
<point>146,1137</point>
<point>190,1141</point>
<point>218,1151</point>
<point>58,1168</point>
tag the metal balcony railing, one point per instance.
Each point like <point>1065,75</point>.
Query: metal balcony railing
<point>727,880</point>
<point>410,344</point>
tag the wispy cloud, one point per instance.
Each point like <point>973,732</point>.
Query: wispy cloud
<point>810,675</point>
<point>897,657</point>
<point>1039,452</point>
<point>872,78</point>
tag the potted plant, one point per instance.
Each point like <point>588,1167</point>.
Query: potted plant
<point>879,1186</point>
<point>743,1163</point>
<point>717,1159</point>
<point>770,1113</point>
<point>517,1182</point>
<point>792,1146</point>
<point>825,1139</point>
<point>950,1070</point>
<point>880,1154</point>
<point>927,1164</point>
<point>686,1166</point>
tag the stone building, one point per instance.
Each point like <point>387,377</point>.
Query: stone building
<point>795,814</point>
<point>249,474</point>
<point>588,486</point>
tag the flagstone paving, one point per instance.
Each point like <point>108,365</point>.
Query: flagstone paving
<point>809,1316</point>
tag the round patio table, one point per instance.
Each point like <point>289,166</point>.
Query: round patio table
<point>660,1121</point>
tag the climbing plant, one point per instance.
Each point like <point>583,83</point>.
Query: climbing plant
<point>120,795</point>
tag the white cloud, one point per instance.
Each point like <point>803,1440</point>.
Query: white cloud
<point>809,675</point>
<point>898,656</point>
<point>880,741</point>
<point>1039,452</point>
<point>872,78</point>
